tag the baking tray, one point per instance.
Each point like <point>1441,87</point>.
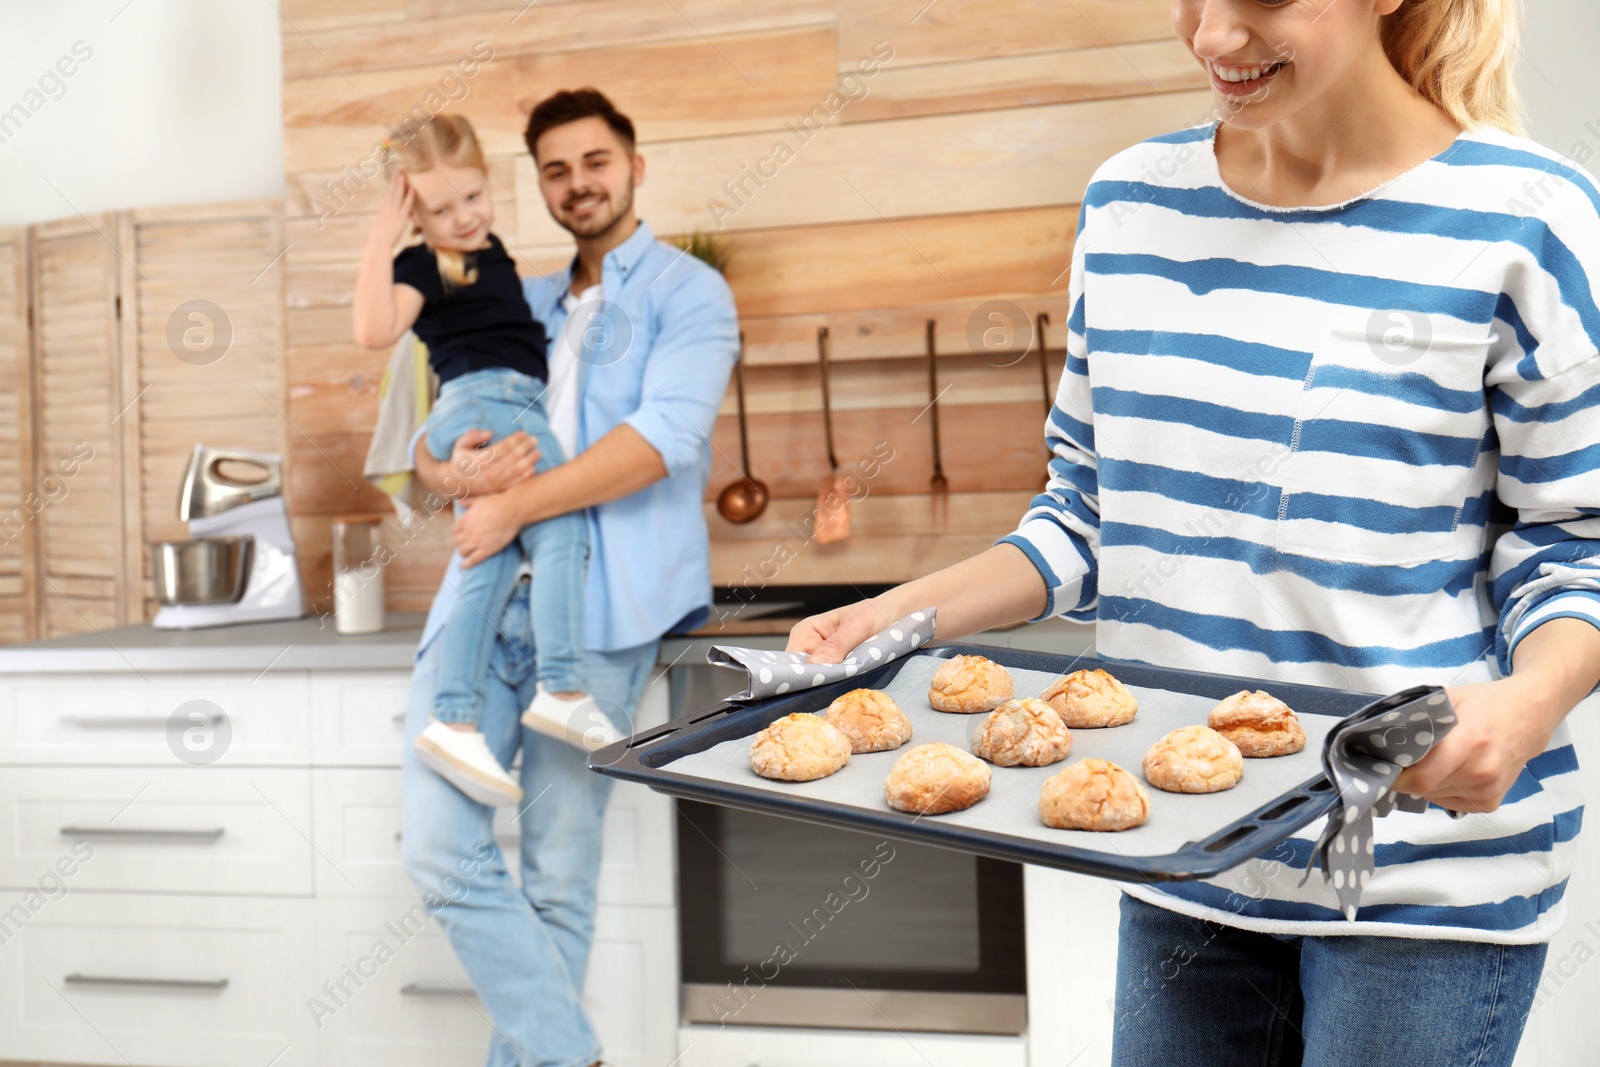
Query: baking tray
<point>705,756</point>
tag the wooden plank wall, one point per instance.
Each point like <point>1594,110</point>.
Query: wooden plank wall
<point>125,338</point>
<point>77,403</point>
<point>947,179</point>
<point>210,372</point>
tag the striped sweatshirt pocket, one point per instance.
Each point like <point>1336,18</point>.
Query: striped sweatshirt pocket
<point>1384,461</point>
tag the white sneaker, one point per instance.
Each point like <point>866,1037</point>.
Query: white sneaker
<point>580,722</point>
<point>462,758</point>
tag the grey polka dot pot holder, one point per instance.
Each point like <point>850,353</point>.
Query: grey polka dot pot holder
<point>1362,756</point>
<point>773,673</point>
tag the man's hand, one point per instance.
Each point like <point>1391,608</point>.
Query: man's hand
<point>488,524</point>
<point>1499,727</point>
<point>472,471</point>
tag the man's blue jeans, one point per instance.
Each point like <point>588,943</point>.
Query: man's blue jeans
<point>1194,994</point>
<point>526,950</point>
<point>503,401</point>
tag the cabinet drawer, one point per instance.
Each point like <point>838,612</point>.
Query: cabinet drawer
<point>358,718</point>
<point>161,980</point>
<point>415,1007</point>
<point>166,720</point>
<point>235,830</point>
<point>356,815</point>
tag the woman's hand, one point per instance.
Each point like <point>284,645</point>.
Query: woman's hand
<point>1502,725</point>
<point>488,524</point>
<point>829,637</point>
<point>393,220</point>
<point>1499,727</point>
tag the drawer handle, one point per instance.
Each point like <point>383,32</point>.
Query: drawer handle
<point>214,985</point>
<point>115,722</point>
<point>417,989</point>
<point>400,718</point>
<point>143,834</point>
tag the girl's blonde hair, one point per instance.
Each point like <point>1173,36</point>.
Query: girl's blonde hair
<point>441,140</point>
<point>1458,54</point>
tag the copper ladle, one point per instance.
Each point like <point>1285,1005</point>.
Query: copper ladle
<point>744,500</point>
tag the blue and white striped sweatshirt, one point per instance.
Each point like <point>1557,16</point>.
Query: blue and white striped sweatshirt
<point>1353,446</point>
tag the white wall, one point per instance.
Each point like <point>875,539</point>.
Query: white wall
<point>1559,75</point>
<point>1560,81</point>
<point>179,101</point>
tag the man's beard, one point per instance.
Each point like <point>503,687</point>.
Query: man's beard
<point>597,226</point>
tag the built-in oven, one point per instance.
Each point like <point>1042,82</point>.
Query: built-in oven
<point>786,923</point>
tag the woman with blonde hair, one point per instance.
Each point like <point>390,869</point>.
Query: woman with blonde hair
<point>1329,416</point>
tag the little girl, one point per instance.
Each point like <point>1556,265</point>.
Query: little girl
<point>459,291</point>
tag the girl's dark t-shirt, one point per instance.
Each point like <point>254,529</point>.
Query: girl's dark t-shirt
<point>485,324</point>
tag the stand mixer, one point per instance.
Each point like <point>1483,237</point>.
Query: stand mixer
<point>223,511</point>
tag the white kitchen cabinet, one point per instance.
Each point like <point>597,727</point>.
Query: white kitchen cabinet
<point>357,810</point>
<point>161,829</point>
<point>159,980</point>
<point>407,1002</point>
<point>760,1046</point>
<point>126,718</point>
<point>272,867</point>
<point>1072,965</point>
<point>358,718</point>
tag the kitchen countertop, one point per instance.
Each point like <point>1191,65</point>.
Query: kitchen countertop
<point>297,644</point>
<point>311,644</point>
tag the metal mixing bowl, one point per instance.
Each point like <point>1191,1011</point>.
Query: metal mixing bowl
<point>208,570</point>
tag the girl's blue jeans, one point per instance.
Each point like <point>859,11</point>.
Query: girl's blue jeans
<point>1191,993</point>
<point>503,401</point>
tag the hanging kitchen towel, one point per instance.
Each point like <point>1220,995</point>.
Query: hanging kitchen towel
<point>1362,756</point>
<point>405,394</point>
<point>773,673</point>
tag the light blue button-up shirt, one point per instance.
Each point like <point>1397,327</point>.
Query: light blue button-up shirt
<point>657,357</point>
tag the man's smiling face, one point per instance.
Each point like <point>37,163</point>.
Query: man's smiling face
<point>587,174</point>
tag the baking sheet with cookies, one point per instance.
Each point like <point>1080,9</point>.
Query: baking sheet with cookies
<point>1185,836</point>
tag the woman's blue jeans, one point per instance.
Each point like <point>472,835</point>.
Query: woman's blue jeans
<point>526,949</point>
<point>503,401</point>
<point>1191,993</point>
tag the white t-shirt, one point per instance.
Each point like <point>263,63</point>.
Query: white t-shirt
<point>561,395</point>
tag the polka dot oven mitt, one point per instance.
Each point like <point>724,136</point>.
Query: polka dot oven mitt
<point>773,673</point>
<point>1362,756</point>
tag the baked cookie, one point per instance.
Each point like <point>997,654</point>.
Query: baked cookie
<point>1024,732</point>
<point>970,684</point>
<point>870,719</point>
<point>799,747</point>
<point>1193,759</point>
<point>1259,723</point>
<point>1091,699</point>
<point>1093,794</point>
<point>935,778</point>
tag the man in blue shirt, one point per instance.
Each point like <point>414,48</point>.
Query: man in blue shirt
<point>643,340</point>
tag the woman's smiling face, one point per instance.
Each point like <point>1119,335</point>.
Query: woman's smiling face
<point>1267,59</point>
